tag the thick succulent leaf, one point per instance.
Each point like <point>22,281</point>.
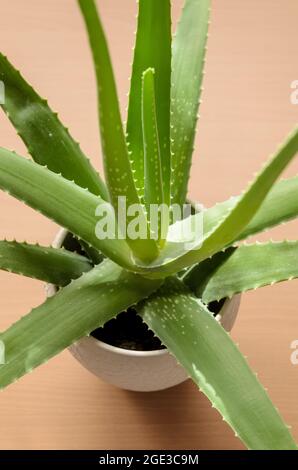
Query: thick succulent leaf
<point>213,361</point>
<point>235,219</point>
<point>238,218</point>
<point>154,191</point>
<point>279,206</point>
<point>247,267</point>
<point>72,313</point>
<point>57,266</point>
<point>47,140</point>
<point>118,170</point>
<point>189,47</point>
<point>59,199</point>
<point>152,50</point>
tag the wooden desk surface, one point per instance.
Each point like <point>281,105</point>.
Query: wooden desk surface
<point>252,59</point>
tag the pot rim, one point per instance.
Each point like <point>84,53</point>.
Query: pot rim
<point>51,290</point>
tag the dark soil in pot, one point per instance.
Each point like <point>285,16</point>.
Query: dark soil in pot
<point>127,330</point>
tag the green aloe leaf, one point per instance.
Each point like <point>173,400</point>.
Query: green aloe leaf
<point>57,266</point>
<point>47,140</point>
<point>118,171</point>
<point>247,267</point>
<point>235,219</point>
<point>152,50</point>
<point>71,206</point>
<point>154,191</point>
<point>72,313</point>
<point>279,206</point>
<point>189,47</point>
<point>193,336</point>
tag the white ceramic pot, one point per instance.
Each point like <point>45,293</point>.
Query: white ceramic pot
<point>142,371</point>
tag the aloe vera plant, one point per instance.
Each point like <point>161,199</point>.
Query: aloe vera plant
<point>170,282</point>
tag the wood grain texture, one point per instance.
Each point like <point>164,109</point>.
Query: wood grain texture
<point>246,111</point>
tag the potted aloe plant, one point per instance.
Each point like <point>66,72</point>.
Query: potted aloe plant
<point>178,285</point>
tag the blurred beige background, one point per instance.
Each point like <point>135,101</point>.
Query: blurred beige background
<point>246,111</point>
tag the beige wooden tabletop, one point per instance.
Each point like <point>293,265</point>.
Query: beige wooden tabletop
<point>246,111</point>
